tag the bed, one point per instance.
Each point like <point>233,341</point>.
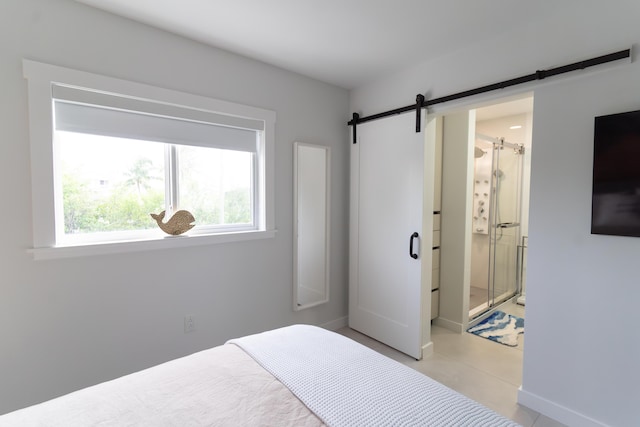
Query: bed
<point>299,375</point>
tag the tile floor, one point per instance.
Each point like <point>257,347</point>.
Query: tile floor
<point>485,371</point>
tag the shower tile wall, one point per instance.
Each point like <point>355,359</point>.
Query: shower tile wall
<point>482,188</point>
<point>480,220</point>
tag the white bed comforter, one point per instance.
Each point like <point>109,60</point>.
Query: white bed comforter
<point>347,384</point>
<point>341,381</point>
<point>222,386</point>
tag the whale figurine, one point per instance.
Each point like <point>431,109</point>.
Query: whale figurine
<point>179,223</point>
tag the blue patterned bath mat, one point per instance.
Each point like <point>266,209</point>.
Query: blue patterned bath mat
<point>500,327</point>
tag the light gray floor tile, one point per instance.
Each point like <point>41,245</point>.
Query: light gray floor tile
<point>494,358</point>
<point>544,421</point>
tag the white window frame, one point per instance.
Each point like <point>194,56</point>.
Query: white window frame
<point>42,77</point>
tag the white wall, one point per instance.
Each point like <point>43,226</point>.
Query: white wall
<point>582,351</point>
<point>69,323</point>
<point>457,189</point>
<point>582,348</point>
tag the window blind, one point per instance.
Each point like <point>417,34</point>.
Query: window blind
<point>86,111</point>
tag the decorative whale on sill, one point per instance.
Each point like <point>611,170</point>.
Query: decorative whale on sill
<point>180,222</point>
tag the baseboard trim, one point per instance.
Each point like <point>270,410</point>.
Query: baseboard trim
<point>553,410</point>
<point>427,349</point>
<point>449,324</point>
<point>336,324</point>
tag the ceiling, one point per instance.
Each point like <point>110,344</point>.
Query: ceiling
<point>503,109</point>
<point>343,42</point>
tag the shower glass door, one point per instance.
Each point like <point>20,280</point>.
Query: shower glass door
<point>504,232</point>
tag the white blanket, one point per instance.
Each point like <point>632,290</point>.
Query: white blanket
<point>222,386</point>
<point>347,384</point>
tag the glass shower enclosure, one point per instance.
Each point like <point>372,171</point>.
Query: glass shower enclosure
<point>497,204</point>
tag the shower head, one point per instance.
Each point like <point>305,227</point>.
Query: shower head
<point>478,152</point>
<point>498,173</point>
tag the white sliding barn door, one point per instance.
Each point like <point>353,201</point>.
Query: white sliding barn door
<point>387,167</point>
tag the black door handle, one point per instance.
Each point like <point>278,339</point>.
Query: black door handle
<point>411,254</point>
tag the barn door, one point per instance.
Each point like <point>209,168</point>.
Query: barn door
<point>386,242</point>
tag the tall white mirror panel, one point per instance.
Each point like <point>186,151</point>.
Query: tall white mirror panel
<point>311,225</point>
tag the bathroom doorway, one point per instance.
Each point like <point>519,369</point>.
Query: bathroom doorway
<point>500,204</point>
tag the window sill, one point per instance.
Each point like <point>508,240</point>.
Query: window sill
<point>168,242</point>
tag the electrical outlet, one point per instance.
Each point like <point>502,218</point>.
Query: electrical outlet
<point>189,324</point>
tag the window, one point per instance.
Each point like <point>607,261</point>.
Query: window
<point>106,153</point>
